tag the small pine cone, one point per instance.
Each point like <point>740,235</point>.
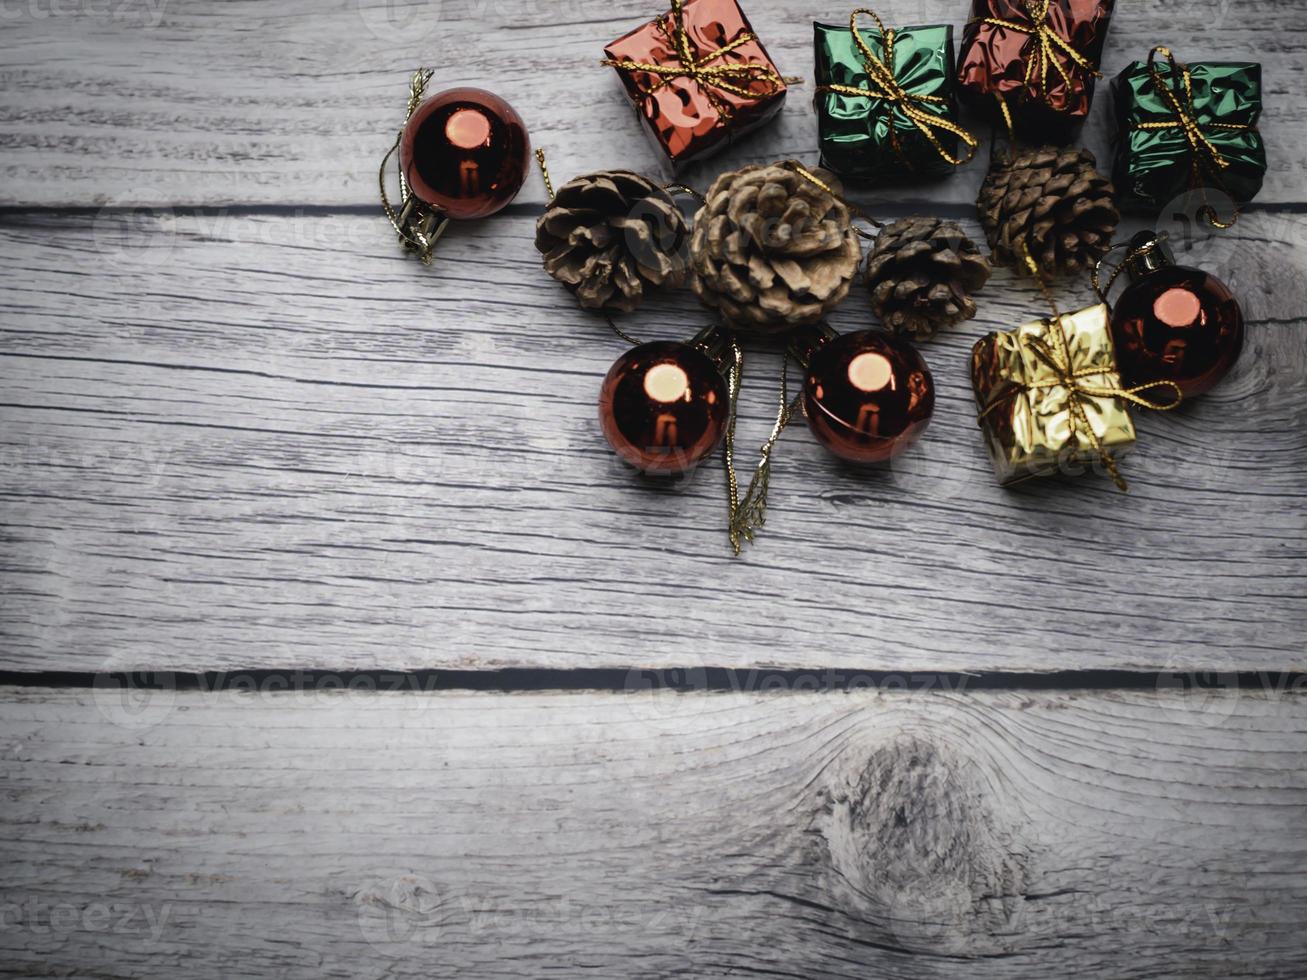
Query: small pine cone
<point>921,275</point>
<point>1052,199</point>
<point>609,235</point>
<point>771,250</point>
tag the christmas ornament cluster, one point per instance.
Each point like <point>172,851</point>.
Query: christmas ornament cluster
<point>773,249</point>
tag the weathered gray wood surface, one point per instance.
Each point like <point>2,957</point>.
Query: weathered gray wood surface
<point>253,434</point>
<point>970,835</point>
<point>184,103</point>
<point>257,435</point>
<point>247,440</point>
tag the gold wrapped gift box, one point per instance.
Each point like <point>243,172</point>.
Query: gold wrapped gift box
<point>1049,396</point>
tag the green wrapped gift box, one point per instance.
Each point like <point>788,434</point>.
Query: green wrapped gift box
<point>1201,132</point>
<point>906,123</point>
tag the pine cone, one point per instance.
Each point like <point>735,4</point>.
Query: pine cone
<point>609,235</point>
<point>1052,199</point>
<point>771,250</point>
<point>921,275</point>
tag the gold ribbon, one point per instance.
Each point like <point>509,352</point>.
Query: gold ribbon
<point>883,85</point>
<point>1049,42</point>
<point>1066,376</point>
<point>746,515</point>
<point>820,184</point>
<point>726,77</point>
<point>413,239</point>
<point>1133,253</point>
<point>1202,150</point>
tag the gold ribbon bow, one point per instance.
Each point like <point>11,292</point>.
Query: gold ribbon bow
<point>883,85</point>
<point>1048,43</point>
<point>1203,153</point>
<point>727,77</point>
<point>1059,361</point>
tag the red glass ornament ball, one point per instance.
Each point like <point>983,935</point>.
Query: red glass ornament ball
<point>465,152</point>
<point>867,395</point>
<point>1177,324</point>
<point>663,406</point>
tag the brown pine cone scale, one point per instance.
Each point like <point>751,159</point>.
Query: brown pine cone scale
<point>921,275</point>
<point>611,235</point>
<point>1053,201</point>
<point>771,250</point>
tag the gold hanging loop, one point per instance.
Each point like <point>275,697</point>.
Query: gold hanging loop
<point>418,227</point>
<point>748,514</point>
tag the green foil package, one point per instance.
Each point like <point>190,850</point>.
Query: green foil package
<point>1157,160</point>
<point>873,138</point>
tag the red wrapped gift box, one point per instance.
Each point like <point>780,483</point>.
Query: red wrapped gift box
<point>698,76</point>
<point>1038,57</point>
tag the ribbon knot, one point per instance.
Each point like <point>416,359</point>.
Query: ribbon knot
<point>1065,375</point>
<point>1047,44</point>
<point>882,84</point>
<point>732,77</point>
<point>1203,153</point>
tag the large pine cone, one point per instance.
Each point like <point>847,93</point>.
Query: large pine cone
<point>1052,199</point>
<point>608,235</point>
<point>771,250</point>
<point>921,275</point>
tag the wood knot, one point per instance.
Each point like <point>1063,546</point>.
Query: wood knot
<point>917,844</point>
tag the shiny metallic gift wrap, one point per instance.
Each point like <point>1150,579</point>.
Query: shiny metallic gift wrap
<point>1035,423</point>
<point>1039,58</point>
<point>873,138</point>
<point>699,78</point>
<point>1157,160</point>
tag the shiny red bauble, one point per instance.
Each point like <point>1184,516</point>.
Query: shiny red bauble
<point>867,396</point>
<point>465,152</point>
<point>1174,323</point>
<point>663,406</point>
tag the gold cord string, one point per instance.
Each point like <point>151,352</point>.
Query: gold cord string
<point>1006,113</point>
<point>685,189</point>
<point>1059,362</point>
<point>1048,43</point>
<point>416,87</point>
<point>734,380</point>
<point>544,172</point>
<point>731,77</point>
<point>1203,154</point>
<point>1130,256</point>
<point>817,182</point>
<point>748,515</point>
<point>622,333</point>
<point>883,85</point>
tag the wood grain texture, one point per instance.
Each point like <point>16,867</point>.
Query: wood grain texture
<point>942,834</point>
<point>246,440</point>
<point>183,103</point>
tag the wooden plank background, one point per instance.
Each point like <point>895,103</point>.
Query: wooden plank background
<point>286,447</point>
<point>176,103</point>
<point>239,429</point>
<point>253,433</point>
<point>943,834</point>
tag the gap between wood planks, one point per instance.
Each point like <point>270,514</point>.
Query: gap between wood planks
<point>684,679</point>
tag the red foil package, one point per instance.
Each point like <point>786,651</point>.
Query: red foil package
<point>1038,58</point>
<point>698,76</point>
